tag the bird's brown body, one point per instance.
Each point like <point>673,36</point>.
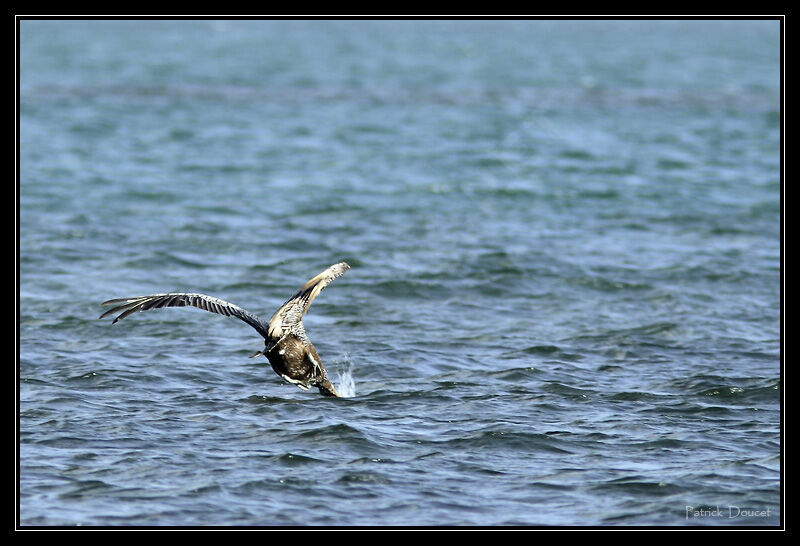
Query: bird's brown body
<point>300,364</point>
<point>286,345</point>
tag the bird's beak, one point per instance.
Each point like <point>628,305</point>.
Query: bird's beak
<point>327,389</point>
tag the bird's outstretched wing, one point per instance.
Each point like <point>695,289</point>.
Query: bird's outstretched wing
<point>201,301</point>
<point>289,318</point>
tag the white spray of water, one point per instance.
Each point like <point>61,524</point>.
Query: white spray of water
<point>345,383</point>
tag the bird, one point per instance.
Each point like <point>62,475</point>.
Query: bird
<point>286,345</point>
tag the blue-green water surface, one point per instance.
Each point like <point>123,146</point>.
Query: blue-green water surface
<point>564,302</point>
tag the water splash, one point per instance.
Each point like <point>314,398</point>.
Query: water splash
<point>345,383</point>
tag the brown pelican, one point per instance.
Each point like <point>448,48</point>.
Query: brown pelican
<point>286,345</point>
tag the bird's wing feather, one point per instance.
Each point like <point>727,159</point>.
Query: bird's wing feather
<point>175,299</point>
<point>289,318</point>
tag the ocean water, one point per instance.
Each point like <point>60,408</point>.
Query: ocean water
<point>564,306</point>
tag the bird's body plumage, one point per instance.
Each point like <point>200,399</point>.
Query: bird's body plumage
<point>286,345</point>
